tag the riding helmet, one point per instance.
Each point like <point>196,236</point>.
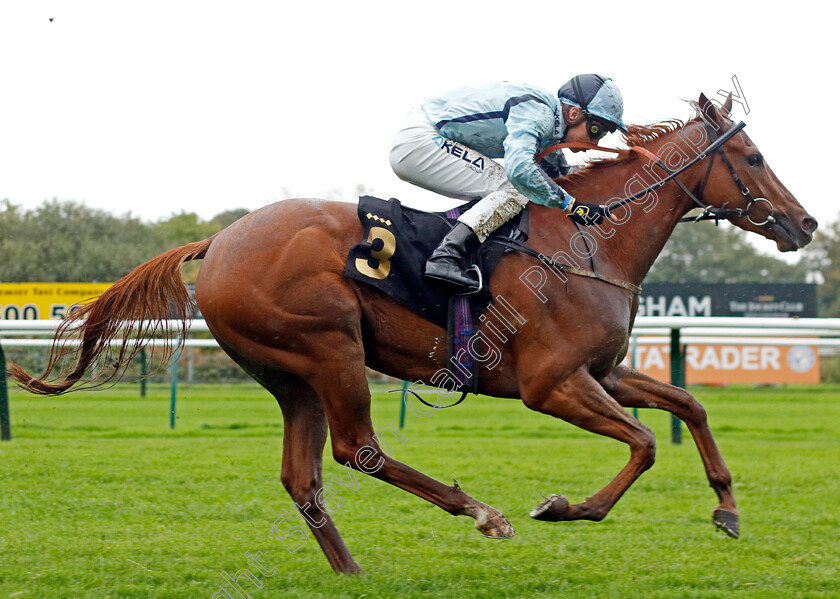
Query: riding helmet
<point>595,94</point>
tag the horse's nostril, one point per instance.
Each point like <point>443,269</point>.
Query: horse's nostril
<point>809,224</point>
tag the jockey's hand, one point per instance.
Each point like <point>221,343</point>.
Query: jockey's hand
<point>587,214</point>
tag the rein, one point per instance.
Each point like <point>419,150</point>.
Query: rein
<point>709,212</point>
<point>713,212</point>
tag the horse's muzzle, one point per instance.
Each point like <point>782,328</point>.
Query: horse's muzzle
<point>792,235</point>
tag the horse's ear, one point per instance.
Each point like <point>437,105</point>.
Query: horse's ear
<point>708,110</point>
<point>727,106</point>
<point>705,104</point>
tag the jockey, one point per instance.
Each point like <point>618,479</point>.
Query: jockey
<point>447,146</point>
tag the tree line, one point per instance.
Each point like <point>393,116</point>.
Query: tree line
<point>67,241</point>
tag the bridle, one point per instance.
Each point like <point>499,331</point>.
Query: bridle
<point>709,212</point>
<point>718,212</point>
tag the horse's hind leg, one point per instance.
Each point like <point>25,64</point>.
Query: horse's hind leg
<point>304,436</point>
<point>347,399</point>
<point>633,389</point>
<point>581,401</point>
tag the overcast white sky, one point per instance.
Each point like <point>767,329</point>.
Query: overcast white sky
<point>158,107</point>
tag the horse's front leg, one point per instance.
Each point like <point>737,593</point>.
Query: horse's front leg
<point>581,401</point>
<point>633,389</point>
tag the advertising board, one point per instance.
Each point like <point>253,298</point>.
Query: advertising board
<point>45,301</point>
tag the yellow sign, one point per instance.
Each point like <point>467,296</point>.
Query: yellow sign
<point>45,301</point>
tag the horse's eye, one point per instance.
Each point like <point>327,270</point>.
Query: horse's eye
<point>755,160</point>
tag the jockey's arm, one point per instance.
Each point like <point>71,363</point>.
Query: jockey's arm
<point>528,123</point>
<point>555,165</point>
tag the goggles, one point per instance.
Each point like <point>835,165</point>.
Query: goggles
<point>597,128</point>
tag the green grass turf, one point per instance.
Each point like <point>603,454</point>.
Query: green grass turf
<point>101,499</point>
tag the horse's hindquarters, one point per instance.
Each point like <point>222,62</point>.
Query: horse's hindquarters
<point>271,287</point>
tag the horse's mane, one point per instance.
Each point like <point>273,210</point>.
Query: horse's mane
<point>637,135</point>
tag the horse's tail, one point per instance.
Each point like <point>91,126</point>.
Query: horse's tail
<point>151,300</point>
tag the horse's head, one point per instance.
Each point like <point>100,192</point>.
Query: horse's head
<point>767,207</point>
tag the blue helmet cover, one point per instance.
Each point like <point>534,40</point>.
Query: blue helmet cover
<point>601,97</point>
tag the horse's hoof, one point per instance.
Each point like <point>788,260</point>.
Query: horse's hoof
<point>727,522</point>
<point>552,509</point>
<point>495,527</point>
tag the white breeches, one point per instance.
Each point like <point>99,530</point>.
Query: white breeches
<point>422,156</point>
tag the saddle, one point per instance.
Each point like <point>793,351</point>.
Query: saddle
<point>397,243</point>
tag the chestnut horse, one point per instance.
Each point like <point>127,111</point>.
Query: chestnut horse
<point>273,293</point>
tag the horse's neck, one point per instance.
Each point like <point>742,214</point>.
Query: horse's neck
<point>626,248</point>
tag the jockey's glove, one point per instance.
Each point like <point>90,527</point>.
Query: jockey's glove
<point>586,213</point>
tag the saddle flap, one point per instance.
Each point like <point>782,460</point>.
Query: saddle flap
<point>397,242</point>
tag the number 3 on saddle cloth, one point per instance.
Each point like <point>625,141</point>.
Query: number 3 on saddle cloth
<point>397,242</point>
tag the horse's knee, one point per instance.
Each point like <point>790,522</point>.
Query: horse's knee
<point>645,448</point>
<point>697,412</point>
<point>689,409</point>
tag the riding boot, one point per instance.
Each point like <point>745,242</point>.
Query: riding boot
<point>445,263</point>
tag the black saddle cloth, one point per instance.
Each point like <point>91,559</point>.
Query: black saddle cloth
<point>396,244</point>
